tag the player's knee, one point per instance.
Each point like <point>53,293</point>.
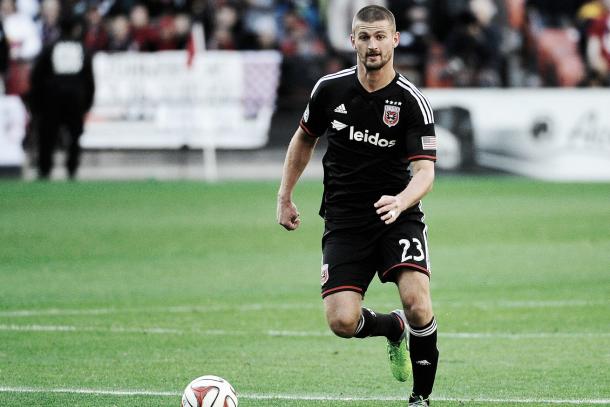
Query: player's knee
<point>343,326</point>
<point>418,309</point>
<point>411,301</point>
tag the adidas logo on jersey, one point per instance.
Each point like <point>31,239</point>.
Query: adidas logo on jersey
<point>337,125</point>
<point>370,138</point>
<point>341,109</point>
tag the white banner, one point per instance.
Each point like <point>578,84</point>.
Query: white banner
<point>554,134</point>
<point>12,131</point>
<point>154,100</point>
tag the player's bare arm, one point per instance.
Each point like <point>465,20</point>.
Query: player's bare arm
<point>298,156</point>
<point>390,207</point>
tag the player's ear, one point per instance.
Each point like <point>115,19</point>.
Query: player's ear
<point>352,40</point>
<point>396,38</point>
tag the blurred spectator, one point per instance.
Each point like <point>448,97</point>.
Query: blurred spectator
<point>227,30</point>
<point>299,39</point>
<point>339,15</point>
<point>96,36</point>
<point>182,30</point>
<point>113,8</point>
<point>591,10</point>
<point>445,14</point>
<point>4,55</point>
<point>553,13</point>
<point>598,48</point>
<point>21,32</point>
<point>48,24</point>
<point>120,35</point>
<point>473,48</point>
<point>308,10</point>
<point>259,24</point>
<point>203,12</point>
<point>24,44</point>
<point>62,93</point>
<point>587,14</point>
<point>143,35</point>
<point>553,43</point>
<point>30,8</point>
<point>167,39</point>
<point>442,42</point>
<point>159,8</point>
<point>413,23</point>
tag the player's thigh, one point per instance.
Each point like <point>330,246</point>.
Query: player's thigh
<point>404,246</point>
<point>347,261</point>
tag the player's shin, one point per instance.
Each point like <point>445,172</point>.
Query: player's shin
<point>424,357</point>
<point>374,324</point>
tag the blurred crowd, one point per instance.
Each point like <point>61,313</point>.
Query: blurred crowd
<point>443,43</point>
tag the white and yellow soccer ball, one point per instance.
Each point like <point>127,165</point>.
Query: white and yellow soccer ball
<point>209,391</point>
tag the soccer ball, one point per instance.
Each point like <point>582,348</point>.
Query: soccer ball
<point>209,391</point>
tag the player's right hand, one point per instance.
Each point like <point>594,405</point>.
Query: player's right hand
<point>287,215</point>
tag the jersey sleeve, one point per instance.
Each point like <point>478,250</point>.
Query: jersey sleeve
<point>314,121</point>
<point>420,135</point>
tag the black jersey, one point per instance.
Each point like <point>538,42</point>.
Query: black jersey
<point>372,138</point>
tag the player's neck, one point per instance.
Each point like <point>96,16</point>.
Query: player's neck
<point>372,81</point>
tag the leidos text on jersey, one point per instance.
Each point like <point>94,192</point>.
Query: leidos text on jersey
<point>370,138</point>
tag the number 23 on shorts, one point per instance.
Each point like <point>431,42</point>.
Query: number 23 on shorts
<point>419,254</point>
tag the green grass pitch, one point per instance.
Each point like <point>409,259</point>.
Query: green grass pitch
<point>139,287</point>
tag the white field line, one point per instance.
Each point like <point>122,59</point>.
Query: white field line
<point>112,329</point>
<point>301,397</point>
<point>69,328</point>
<point>284,333</point>
<point>468,335</point>
<point>531,304</point>
<point>255,307</point>
<point>185,309</point>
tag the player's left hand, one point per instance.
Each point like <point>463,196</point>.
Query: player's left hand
<point>389,207</point>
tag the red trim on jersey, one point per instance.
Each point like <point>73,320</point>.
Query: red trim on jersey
<point>342,288</point>
<point>422,157</point>
<point>309,132</point>
<point>413,267</point>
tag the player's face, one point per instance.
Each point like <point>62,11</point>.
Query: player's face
<point>374,43</point>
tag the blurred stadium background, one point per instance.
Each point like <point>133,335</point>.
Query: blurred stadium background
<point>529,82</point>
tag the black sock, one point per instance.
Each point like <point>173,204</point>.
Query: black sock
<point>374,324</point>
<point>424,357</point>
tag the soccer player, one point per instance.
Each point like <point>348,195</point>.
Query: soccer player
<point>378,166</point>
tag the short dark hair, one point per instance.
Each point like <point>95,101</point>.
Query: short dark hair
<point>370,14</point>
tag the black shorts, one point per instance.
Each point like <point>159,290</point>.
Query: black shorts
<point>352,255</point>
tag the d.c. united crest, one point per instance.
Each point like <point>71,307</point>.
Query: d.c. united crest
<point>391,114</point>
<point>324,274</point>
